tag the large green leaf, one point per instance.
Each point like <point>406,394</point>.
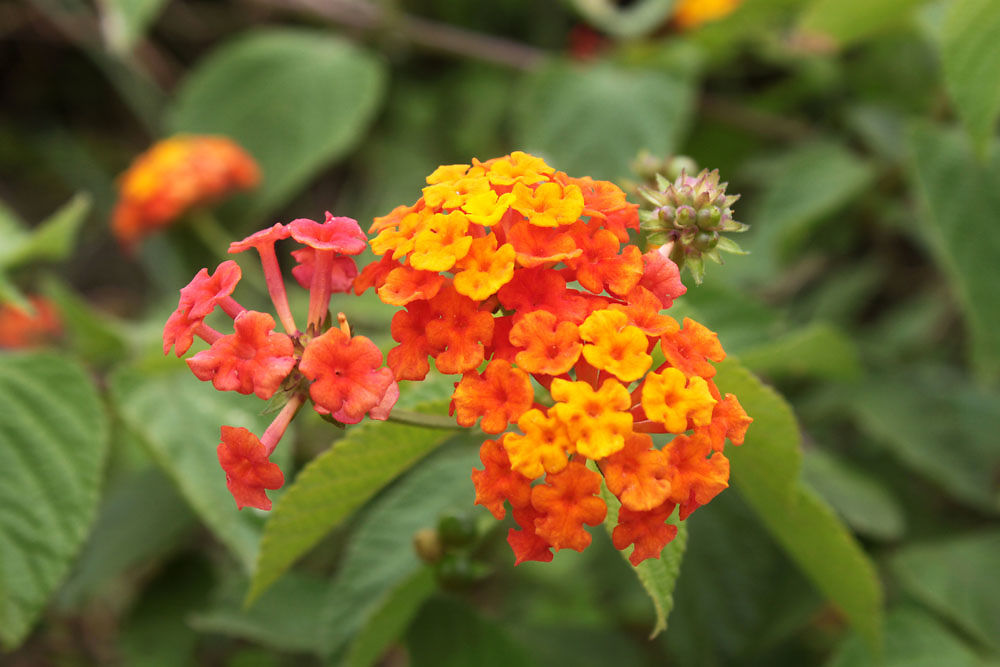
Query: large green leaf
<point>336,483</point>
<point>970,56</point>
<point>295,99</point>
<point>818,350</point>
<point>766,472</point>
<point>961,206</point>
<point>658,576</point>
<point>848,21</point>
<point>53,441</point>
<point>380,553</point>
<point>593,119</point>
<point>957,577</point>
<point>178,419</point>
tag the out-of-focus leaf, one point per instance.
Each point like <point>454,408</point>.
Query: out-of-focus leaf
<point>861,501</point>
<point>847,21</point>
<point>593,119</point>
<point>95,337</point>
<point>449,633</point>
<point>124,22</point>
<point>658,576</point>
<point>957,577</point>
<point>818,350</point>
<point>53,442</point>
<point>766,472</point>
<point>296,100</point>
<point>961,205</point>
<point>140,519</point>
<point>970,58</point>
<point>389,622</point>
<point>52,239</point>
<point>912,639</point>
<point>178,419</point>
<point>380,553</point>
<point>936,424</point>
<point>12,229</point>
<point>634,20</point>
<point>287,616</point>
<point>336,483</point>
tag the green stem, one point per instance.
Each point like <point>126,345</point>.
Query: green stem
<point>420,419</point>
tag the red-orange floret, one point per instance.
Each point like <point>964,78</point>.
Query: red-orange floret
<point>526,543</point>
<point>339,234</point>
<point>535,246</point>
<point>19,328</point>
<point>661,276</point>
<point>605,202</point>
<point>729,420</point>
<point>696,478</point>
<point>647,530</point>
<point>549,346</point>
<point>374,274</point>
<point>405,284</point>
<point>254,360</point>
<point>500,395</point>
<point>461,330</point>
<point>248,470</point>
<point>198,299</point>
<point>566,501</point>
<point>408,360</point>
<point>601,266</point>
<point>643,310</point>
<point>690,349</point>
<point>638,474</point>
<point>348,377</point>
<point>497,482</point>
<point>343,270</point>
<point>543,289</point>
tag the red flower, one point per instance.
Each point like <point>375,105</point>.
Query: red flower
<point>198,299</point>
<point>248,470</point>
<point>18,328</point>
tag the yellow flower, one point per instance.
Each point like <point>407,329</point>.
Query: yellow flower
<point>616,346</point>
<point>672,398</point>
<point>595,420</point>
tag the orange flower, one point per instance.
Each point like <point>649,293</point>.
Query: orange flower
<point>198,299</point>
<point>690,14</point>
<point>19,328</point>
<point>500,395</point>
<point>248,470</point>
<point>647,530</point>
<point>698,474</point>
<point>638,474</point>
<point>497,482</point>
<point>690,349</point>
<point>566,501</point>
<point>550,347</point>
<point>174,176</point>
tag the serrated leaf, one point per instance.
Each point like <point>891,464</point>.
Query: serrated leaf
<point>177,418</point>
<point>847,21</point>
<point>961,213</point>
<point>380,553</point>
<point>389,622</point>
<point>52,239</point>
<point>766,472</point>
<point>295,99</point>
<point>336,483</point>
<point>593,119</point>
<point>956,577</point>
<point>818,350</point>
<point>970,58</point>
<point>53,442</point>
<point>658,576</point>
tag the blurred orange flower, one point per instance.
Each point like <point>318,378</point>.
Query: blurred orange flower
<point>19,328</point>
<point>693,13</point>
<point>174,176</point>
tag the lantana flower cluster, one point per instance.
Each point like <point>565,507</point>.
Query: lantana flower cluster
<point>174,176</point>
<point>524,281</point>
<point>342,374</point>
<point>23,328</point>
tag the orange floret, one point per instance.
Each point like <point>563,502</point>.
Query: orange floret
<point>248,470</point>
<point>518,167</point>
<point>643,311</point>
<point>690,14</point>
<point>526,543</point>
<point>485,269</point>
<point>605,203</point>
<point>673,399</point>
<point>500,395</point>
<point>542,448</point>
<point>461,330</point>
<point>615,345</point>
<point>696,477</point>
<point>441,241</point>
<point>566,501</point>
<point>497,482</point>
<point>408,360</point>
<point>404,284</point>
<point>595,420</point>
<point>550,346</point>
<point>536,246</point>
<point>691,349</point>
<point>600,266</point>
<point>638,474</point>
<point>647,530</point>
<point>729,420</point>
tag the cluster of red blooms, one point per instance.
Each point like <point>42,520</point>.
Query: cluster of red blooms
<point>174,176</point>
<point>482,264</point>
<point>342,374</point>
<point>20,328</point>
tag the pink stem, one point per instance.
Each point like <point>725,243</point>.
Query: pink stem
<point>277,428</point>
<point>230,306</point>
<point>207,333</point>
<point>276,287</point>
<point>319,291</point>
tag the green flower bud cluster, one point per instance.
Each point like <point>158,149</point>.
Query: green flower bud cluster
<point>690,214</point>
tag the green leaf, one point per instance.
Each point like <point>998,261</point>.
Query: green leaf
<point>961,213</point>
<point>912,639</point>
<point>860,500</point>
<point>635,20</point>
<point>593,119</point>
<point>95,337</point>
<point>125,22</point>
<point>848,21</point>
<point>333,485</point>
<point>389,622</point>
<point>818,350</point>
<point>287,617</point>
<point>449,633</point>
<point>658,576</point>
<point>178,418</point>
<point>956,577</point>
<point>970,58</point>
<point>938,425</point>
<point>54,437</point>
<point>52,239</point>
<point>765,470</point>
<point>297,100</point>
<point>380,553</point>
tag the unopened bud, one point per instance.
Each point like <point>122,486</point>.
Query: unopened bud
<point>428,545</point>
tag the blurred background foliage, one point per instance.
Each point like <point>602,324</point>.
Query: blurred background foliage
<point>861,134</point>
